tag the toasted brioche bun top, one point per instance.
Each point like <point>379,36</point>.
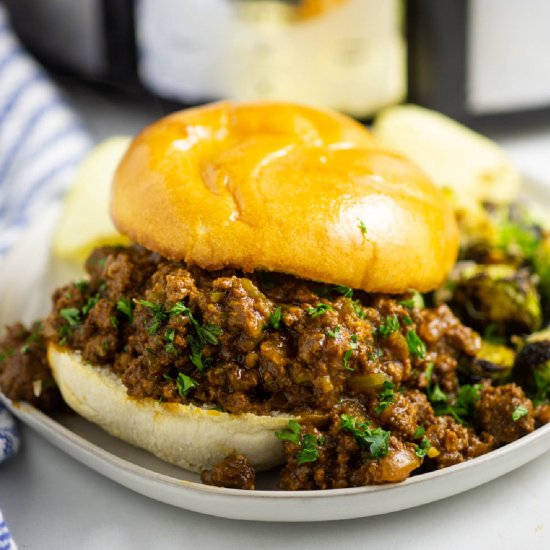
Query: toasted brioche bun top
<point>283,187</point>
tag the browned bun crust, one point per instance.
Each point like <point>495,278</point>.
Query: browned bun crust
<point>282,187</point>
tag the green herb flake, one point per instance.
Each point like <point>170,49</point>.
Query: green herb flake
<point>463,407</point>
<point>423,447</point>
<point>185,384</point>
<point>125,306</point>
<point>362,227</point>
<point>419,432</point>
<point>291,434</point>
<point>345,291</point>
<point>415,301</point>
<point>82,285</point>
<point>114,321</point>
<point>353,344</point>
<point>310,449</point>
<point>309,443</point>
<point>389,326</point>
<point>90,303</point>
<point>376,354</point>
<point>319,309</point>
<point>437,395</point>
<point>204,335</point>
<point>375,440</point>
<point>519,412</point>
<point>334,333</point>
<point>71,315</point>
<point>169,335</point>
<point>275,318</point>
<point>416,345</point>
<point>358,308</point>
<point>387,396</point>
<point>407,321</point>
<point>159,315</point>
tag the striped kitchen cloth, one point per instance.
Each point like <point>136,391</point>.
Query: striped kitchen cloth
<point>41,139</point>
<point>41,144</point>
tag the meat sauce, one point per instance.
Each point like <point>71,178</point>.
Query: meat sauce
<point>375,376</point>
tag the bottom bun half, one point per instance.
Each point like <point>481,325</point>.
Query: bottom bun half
<point>185,435</point>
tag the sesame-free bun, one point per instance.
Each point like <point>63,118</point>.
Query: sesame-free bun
<point>283,187</point>
<point>185,435</point>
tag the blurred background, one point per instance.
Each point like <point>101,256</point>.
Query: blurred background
<point>484,62</point>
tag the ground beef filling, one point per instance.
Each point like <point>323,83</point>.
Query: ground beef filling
<point>24,371</point>
<point>375,376</point>
<point>248,343</point>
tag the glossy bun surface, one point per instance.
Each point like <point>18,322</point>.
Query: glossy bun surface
<point>283,187</point>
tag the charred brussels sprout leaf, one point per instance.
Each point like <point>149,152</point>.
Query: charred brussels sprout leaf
<point>532,368</point>
<point>493,362</point>
<point>499,295</point>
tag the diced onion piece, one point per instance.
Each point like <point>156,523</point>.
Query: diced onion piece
<point>364,382</point>
<point>37,387</point>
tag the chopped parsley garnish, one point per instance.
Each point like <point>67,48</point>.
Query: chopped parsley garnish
<point>519,412</point>
<point>345,291</point>
<point>359,311</point>
<point>376,354</point>
<point>292,433</point>
<point>415,301</point>
<point>387,396</point>
<point>349,352</point>
<point>169,335</point>
<point>462,408</point>
<point>416,345</point>
<point>82,285</point>
<point>114,321</point>
<point>423,447</point>
<point>204,335</point>
<point>90,303</point>
<point>333,333</point>
<point>275,317</point>
<point>309,442</point>
<point>375,440</point>
<point>436,394</point>
<point>159,315</point>
<point>319,309</point>
<point>71,315</point>
<point>419,432</point>
<point>388,326</point>
<point>347,356</point>
<point>207,334</point>
<point>362,227</point>
<point>310,450</point>
<point>185,384</point>
<point>125,306</point>
<point>407,320</point>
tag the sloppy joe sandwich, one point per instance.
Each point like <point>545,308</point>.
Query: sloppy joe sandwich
<point>269,310</point>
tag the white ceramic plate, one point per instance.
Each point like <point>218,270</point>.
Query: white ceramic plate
<point>27,277</point>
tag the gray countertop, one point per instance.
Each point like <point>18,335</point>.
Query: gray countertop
<point>51,501</point>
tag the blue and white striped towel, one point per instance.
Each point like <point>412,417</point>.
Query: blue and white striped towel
<point>41,144</point>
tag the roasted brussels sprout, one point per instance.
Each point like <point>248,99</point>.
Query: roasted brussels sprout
<point>498,295</point>
<point>541,263</point>
<point>493,361</point>
<point>532,367</point>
